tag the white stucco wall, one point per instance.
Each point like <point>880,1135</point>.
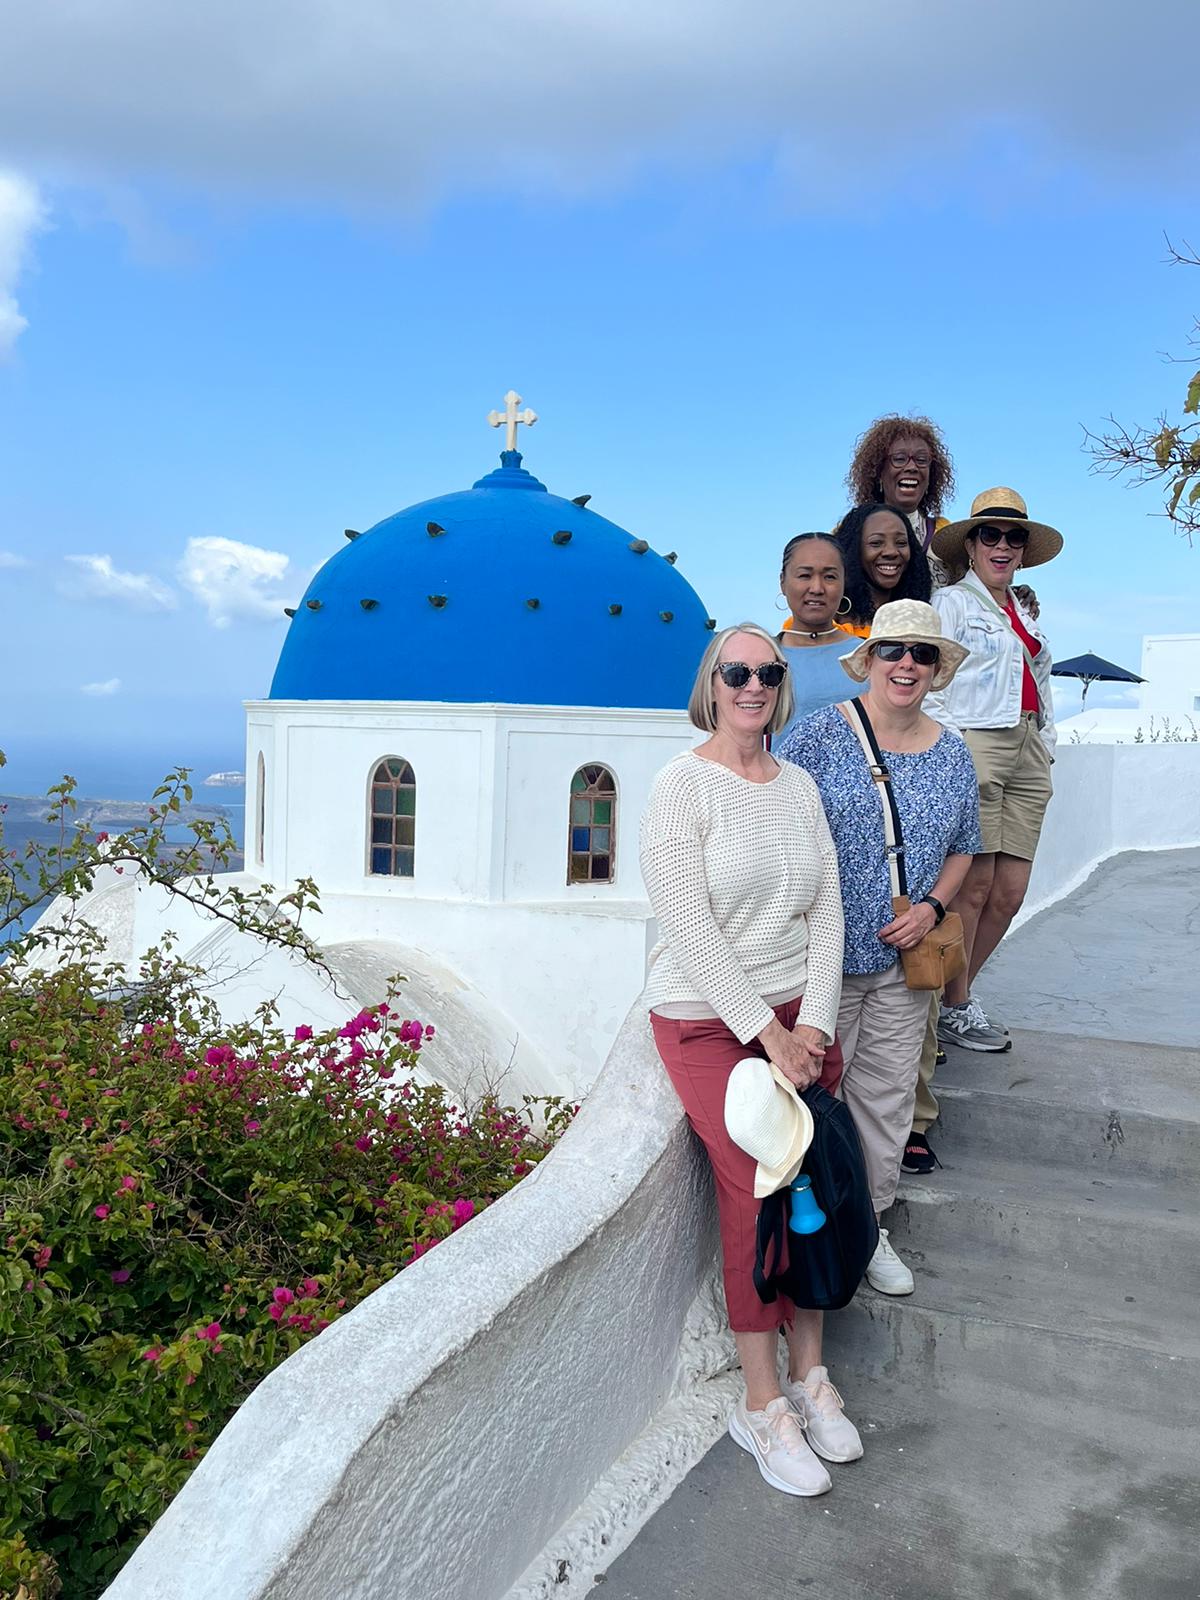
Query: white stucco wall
<point>1171,668</point>
<point>411,1452</point>
<point>493,789</point>
<point>1109,798</point>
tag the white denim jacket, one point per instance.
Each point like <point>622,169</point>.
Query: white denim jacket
<point>986,690</point>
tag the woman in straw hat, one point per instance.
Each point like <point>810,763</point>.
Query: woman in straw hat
<point>742,874</point>
<point>1001,703</point>
<point>881,1021</point>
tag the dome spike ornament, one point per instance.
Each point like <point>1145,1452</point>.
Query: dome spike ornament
<point>368,605</point>
<point>563,536</point>
<point>437,601</point>
<point>533,604</point>
<point>433,529</point>
<point>510,417</point>
<point>352,533</point>
<point>289,611</point>
<point>639,547</point>
<point>671,556</point>
<point>615,609</point>
<point>581,500</point>
<point>667,616</point>
<point>314,605</point>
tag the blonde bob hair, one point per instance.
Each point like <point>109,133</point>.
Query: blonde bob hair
<point>702,708</point>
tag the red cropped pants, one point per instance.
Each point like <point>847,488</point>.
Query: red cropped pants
<point>699,1056</point>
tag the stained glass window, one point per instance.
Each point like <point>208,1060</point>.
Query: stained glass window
<point>392,846</point>
<point>591,827</point>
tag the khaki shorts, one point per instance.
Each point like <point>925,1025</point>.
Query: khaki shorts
<point>1013,768</point>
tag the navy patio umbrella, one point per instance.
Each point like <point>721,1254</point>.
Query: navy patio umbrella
<point>1090,669</point>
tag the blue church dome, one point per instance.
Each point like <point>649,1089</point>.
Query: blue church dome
<point>500,593</point>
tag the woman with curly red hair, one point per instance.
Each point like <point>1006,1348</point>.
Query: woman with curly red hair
<point>903,462</point>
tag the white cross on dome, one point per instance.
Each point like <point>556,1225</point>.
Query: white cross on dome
<point>510,417</point>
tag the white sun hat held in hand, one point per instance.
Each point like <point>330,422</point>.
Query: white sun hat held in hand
<point>765,1117</point>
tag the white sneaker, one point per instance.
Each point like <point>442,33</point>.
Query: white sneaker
<point>775,1438</point>
<point>830,1432</point>
<point>885,1270</point>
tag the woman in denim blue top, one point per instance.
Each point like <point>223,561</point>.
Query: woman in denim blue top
<point>881,1022</point>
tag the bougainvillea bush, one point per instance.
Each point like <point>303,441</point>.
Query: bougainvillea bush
<point>182,1205</point>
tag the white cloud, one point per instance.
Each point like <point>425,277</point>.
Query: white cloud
<point>233,580</point>
<point>109,686</point>
<point>21,216</point>
<point>95,576</point>
<point>11,562</point>
<point>374,104</point>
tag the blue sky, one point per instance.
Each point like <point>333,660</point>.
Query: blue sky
<point>264,270</point>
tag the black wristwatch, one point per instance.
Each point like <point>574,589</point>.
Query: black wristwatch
<point>939,909</point>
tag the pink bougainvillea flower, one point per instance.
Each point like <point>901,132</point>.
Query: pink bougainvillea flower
<point>101,1212</point>
<point>363,1142</point>
<point>430,1030</point>
<point>212,1332</point>
<point>122,1275</point>
<point>282,1296</point>
<point>303,1032</point>
<point>127,1183</point>
<point>310,1288</point>
<point>153,1353</point>
<point>251,1126</point>
<point>274,1312</point>
<point>464,1210</point>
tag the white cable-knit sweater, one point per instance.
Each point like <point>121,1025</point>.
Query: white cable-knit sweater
<point>743,878</point>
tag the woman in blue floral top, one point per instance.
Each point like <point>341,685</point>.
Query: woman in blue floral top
<point>881,1022</point>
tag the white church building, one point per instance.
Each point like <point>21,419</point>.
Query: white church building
<point>468,710</point>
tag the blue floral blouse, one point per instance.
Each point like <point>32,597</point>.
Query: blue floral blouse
<point>937,796</point>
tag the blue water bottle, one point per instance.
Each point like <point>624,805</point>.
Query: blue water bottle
<point>806,1215</point>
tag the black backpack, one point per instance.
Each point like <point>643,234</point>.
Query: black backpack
<point>823,1269</point>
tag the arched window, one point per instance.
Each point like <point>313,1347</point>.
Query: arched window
<point>592,832</point>
<point>393,819</point>
<point>260,809</point>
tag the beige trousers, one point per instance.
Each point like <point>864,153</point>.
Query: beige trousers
<point>881,1023</point>
<point>925,1111</point>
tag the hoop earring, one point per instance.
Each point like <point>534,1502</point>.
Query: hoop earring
<point>845,608</point>
<point>784,607</point>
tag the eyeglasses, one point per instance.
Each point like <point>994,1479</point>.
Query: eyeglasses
<point>924,655</point>
<point>901,458</point>
<point>736,674</point>
<point>1017,538</point>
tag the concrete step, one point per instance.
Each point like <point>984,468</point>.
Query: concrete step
<point>1028,1132</point>
<point>1112,1257</point>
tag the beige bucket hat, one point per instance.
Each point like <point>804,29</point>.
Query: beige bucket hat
<point>997,505</point>
<point>908,622</point>
<point>765,1117</point>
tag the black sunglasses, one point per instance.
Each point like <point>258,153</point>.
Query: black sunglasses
<point>736,674</point>
<point>1017,538</point>
<point>925,655</point>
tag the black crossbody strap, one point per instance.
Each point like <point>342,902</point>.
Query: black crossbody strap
<point>861,724</point>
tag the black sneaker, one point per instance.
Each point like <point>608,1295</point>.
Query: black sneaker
<point>918,1157</point>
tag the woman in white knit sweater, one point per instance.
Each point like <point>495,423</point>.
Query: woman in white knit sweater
<point>743,878</point>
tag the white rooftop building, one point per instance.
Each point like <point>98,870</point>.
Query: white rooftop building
<point>1168,705</point>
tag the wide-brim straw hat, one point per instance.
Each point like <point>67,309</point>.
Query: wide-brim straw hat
<point>765,1117</point>
<point>997,505</point>
<point>908,622</point>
